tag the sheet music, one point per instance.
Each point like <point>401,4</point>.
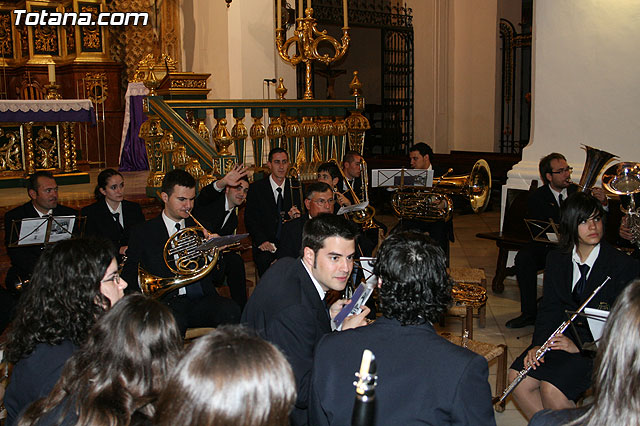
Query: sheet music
<point>596,318</point>
<point>398,177</point>
<point>353,208</point>
<point>361,295</point>
<point>33,231</point>
<point>61,228</point>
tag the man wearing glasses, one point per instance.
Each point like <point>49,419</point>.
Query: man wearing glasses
<point>318,199</point>
<point>543,204</point>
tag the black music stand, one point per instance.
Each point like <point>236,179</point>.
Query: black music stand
<point>586,346</point>
<point>31,231</point>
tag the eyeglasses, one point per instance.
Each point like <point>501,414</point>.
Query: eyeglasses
<point>565,170</point>
<point>323,202</point>
<point>115,278</point>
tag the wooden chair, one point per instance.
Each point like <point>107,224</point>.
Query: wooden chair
<point>514,235</point>
<point>489,352</point>
<point>31,89</point>
<point>473,276</point>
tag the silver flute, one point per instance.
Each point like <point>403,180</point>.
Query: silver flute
<point>547,346</point>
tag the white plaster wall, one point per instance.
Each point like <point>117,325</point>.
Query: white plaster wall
<point>473,38</point>
<point>585,83</point>
<point>431,72</point>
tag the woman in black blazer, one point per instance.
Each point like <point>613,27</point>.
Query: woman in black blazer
<point>581,264</point>
<point>111,216</point>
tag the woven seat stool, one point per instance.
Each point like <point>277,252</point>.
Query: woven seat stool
<point>474,276</point>
<point>489,352</point>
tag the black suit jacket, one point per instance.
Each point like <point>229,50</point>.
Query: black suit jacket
<point>100,222</point>
<point>557,289</point>
<point>261,214</point>
<point>291,238</point>
<point>209,208</point>
<point>542,205</point>
<point>146,246</point>
<point>423,378</point>
<point>286,310</point>
<point>23,259</point>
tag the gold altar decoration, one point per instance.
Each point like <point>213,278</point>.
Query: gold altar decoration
<point>306,37</point>
<point>10,150</point>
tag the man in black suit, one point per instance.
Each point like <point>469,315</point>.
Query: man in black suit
<point>421,157</point>
<point>287,306</point>
<point>268,204</point>
<point>43,192</point>
<point>423,378</point>
<point>198,304</point>
<point>217,205</point>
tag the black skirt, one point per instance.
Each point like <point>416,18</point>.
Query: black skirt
<point>571,373</point>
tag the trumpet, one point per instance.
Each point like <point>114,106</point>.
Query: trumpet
<point>546,346</point>
<point>183,255</point>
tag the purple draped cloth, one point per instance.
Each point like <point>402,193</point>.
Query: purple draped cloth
<point>134,153</point>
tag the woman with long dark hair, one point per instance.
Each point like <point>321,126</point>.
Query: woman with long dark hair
<point>583,262</point>
<point>73,284</point>
<point>230,377</point>
<point>616,389</point>
<point>117,375</point>
<point>111,216</point>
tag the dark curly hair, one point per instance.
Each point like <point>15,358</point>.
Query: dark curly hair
<point>415,285</point>
<point>120,370</point>
<point>63,299</point>
<point>103,180</point>
<point>578,207</point>
<point>229,377</point>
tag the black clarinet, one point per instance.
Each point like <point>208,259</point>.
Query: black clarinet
<point>364,406</point>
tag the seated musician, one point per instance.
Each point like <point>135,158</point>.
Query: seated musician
<point>573,272</point>
<point>268,204</point>
<point>352,187</point>
<point>197,304</point>
<point>111,216</point>
<point>329,173</point>
<point>287,307</point>
<point>423,378</point>
<point>43,193</point>
<point>543,204</point>
<point>421,156</point>
<point>217,205</point>
<point>318,199</point>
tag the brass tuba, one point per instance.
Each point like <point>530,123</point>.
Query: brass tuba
<point>595,161</point>
<point>623,179</point>
<point>184,256</point>
<point>430,204</point>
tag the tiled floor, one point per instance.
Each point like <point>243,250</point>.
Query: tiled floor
<point>467,251</point>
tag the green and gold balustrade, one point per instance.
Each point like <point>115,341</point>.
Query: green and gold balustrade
<point>312,131</point>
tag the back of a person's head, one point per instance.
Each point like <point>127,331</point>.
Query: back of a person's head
<point>122,367</point>
<point>617,367</point>
<point>415,285</point>
<point>62,300</point>
<point>229,377</point>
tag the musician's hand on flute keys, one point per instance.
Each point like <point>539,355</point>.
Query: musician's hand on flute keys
<point>560,342</point>
<point>530,358</point>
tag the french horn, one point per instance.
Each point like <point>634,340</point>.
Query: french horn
<point>188,257</point>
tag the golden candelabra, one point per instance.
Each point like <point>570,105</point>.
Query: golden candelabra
<point>307,38</point>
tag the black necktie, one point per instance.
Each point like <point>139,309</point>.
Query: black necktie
<point>279,203</point>
<point>582,282</point>
<point>560,200</point>
<point>177,227</point>
<point>116,217</point>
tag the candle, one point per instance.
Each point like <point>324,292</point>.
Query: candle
<point>345,13</point>
<point>279,14</point>
<point>52,73</point>
<point>300,9</point>
<point>308,4</point>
